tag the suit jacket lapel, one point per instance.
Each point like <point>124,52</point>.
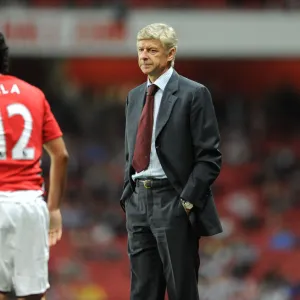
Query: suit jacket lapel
<point>167,103</point>
<point>135,107</point>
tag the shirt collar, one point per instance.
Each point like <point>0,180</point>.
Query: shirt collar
<point>162,80</point>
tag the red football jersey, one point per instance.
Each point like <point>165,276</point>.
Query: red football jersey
<point>26,123</point>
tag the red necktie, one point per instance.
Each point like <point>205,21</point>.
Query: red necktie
<point>141,156</point>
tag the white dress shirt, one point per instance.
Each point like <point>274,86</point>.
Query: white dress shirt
<point>155,169</point>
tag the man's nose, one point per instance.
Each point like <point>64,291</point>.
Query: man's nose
<point>144,55</point>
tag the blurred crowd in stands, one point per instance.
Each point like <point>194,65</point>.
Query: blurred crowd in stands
<point>257,194</point>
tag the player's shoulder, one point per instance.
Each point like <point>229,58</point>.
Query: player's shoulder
<point>137,90</point>
<point>28,88</point>
<point>191,84</point>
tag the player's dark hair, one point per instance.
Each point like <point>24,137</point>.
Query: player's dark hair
<point>3,55</point>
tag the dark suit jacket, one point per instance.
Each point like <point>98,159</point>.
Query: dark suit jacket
<point>187,141</point>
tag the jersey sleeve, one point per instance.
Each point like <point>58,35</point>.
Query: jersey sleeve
<point>51,129</point>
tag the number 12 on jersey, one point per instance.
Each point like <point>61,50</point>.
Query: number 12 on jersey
<point>20,151</point>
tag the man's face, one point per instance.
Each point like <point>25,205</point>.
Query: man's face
<point>153,58</point>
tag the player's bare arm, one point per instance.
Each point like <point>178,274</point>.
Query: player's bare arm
<point>58,174</point>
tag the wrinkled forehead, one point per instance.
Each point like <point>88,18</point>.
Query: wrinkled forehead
<point>149,43</point>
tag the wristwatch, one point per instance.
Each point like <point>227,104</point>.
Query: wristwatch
<point>187,205</point>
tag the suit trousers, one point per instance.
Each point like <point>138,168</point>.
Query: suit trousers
<point>162,246</point>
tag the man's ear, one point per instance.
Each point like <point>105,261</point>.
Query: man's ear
<point>172,53</point>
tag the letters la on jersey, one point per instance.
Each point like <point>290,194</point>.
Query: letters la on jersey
<point>14,89</point>
<point>26,123</point>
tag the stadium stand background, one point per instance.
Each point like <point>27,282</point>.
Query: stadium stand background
<point>257,101</point>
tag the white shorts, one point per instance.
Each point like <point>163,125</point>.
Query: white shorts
<point>24,250</point>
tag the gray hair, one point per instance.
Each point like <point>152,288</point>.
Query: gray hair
<point>159,31</point>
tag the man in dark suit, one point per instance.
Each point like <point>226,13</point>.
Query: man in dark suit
<point>172,159</point>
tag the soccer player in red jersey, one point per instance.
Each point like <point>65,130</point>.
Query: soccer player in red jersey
<point>28,225</point>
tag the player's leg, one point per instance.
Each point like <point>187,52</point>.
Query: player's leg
<point>8,217</point>
<point>31,260</point>
<point>2,296</point>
